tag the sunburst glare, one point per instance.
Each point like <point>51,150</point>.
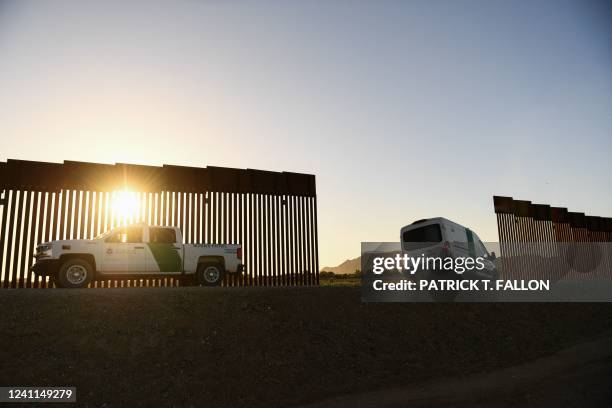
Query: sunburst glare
<point>125,206</point>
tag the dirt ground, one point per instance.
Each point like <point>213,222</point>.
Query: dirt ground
<point>265,347</point>
<point>579,376</point>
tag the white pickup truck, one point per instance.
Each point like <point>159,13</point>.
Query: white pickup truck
<point>133,251</point>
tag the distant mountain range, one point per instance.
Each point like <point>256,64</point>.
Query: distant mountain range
<point>348,266</point>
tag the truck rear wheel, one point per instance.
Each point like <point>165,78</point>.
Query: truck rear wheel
<point>74,273</point>
<point>209,274</point>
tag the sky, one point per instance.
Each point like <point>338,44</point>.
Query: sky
<point>402,109</point>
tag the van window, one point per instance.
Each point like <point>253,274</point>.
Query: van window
<point>481,250</point>
<point>422,237</point>
<point>162,235</point>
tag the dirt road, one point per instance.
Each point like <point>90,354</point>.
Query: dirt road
<point>580,376</point>
<point>265,347</point>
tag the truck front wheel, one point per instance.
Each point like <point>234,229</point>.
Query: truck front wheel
<point>209,274</point>
<point>75,273</point>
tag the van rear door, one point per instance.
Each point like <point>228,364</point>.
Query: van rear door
<point>422,239</point>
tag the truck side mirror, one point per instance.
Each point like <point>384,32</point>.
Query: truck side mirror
<point>492,256</point>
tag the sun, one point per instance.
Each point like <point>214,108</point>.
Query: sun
<point>125,206</point>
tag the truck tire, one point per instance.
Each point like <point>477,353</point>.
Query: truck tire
<point>209,274</point>
<point>74,273</point>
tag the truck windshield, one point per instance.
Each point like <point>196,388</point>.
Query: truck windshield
<point>422,237</point>
<point>103,235</point>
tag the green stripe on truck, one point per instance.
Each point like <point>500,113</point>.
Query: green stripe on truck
<point>167,257</point>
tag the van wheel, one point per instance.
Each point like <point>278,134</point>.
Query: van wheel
<point>75,273</point>
<point>209,274</point>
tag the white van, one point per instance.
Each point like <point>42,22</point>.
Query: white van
<point>440,237</point>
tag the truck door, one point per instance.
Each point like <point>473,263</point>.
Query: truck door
<point>164,253</point>
<point>124,251</point>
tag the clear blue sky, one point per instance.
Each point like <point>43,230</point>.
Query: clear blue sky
<point>403,109</point>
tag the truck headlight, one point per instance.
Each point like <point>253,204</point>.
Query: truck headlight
<point>44,249</point>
